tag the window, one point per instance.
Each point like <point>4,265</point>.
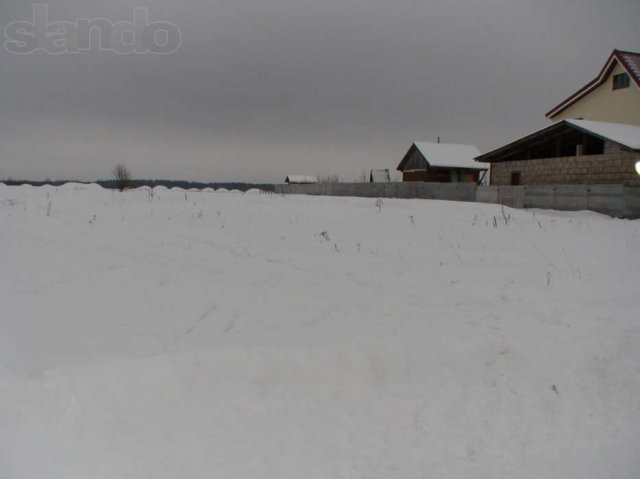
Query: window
<point>515,178</point>
<point>620,81</point>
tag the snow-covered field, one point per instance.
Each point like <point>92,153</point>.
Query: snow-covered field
<point>228,334</point>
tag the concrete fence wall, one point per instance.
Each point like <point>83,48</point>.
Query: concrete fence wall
<point>615,200</point>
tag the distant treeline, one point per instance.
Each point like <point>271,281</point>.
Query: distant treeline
<point>243,187</point>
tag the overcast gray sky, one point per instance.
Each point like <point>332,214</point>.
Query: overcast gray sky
<point>261,89</point>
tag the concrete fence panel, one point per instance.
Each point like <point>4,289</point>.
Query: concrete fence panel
<point>511,196</point>
<point>614,200</point>
<point>488,194</point>
<point>607,199</point>
<point>571,197</point>
<point>540,196</point>
<point>631,197</point>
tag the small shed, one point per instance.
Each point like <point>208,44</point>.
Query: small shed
<point>442,162</point>
<point>380,176</point>
<point>301,179</point>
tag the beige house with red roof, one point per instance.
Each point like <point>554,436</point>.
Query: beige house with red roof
<point>613,96</point>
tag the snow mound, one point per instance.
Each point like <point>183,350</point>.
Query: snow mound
<point>74,186</point>
<point>279,336</point>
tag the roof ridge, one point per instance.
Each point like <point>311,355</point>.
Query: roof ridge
<point>627,52</point>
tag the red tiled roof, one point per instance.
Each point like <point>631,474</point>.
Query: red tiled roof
<point>630,61</point>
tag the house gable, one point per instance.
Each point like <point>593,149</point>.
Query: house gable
<point>413,160</point>
<point>599,101</point>
<point>425,155</point>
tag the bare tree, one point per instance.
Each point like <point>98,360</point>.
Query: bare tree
<point>122,176</point>
<point>363,178</point>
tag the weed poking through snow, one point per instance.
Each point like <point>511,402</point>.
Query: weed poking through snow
<point>506,217</point>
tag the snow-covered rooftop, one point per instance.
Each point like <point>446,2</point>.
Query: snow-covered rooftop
<point>621,133</point>
<point>624,134</point>
<point>452,155</point>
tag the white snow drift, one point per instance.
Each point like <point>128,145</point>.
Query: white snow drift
<point>172,333</point>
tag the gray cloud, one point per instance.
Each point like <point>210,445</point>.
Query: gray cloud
<point>261,89</point>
